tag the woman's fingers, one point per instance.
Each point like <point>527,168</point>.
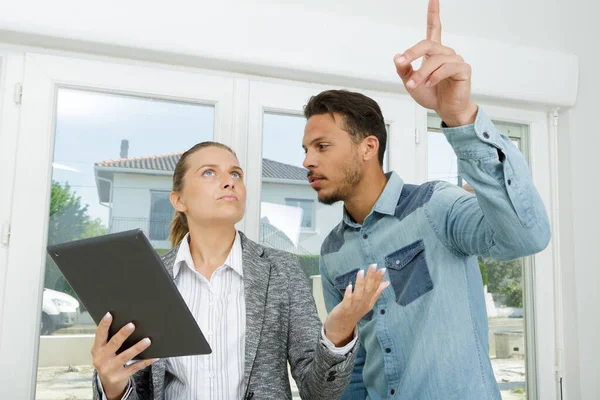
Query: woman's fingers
<point>367,290</point>
<point>102,332</point>
<point>133,351</point>
<point>375,297</point>
<point>370,282</point>
<point>115,343</point>
<point>138,366</point>
<point>347,300</point>
<point>359,287</point>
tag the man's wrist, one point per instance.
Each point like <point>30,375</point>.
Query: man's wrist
<point>466,117</point>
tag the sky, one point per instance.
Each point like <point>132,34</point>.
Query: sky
<point>90,127</point>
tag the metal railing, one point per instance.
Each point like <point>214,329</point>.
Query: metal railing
<point>154,228</point>
<point>272,237</point>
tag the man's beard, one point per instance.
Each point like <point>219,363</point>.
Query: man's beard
<point>352,177</point>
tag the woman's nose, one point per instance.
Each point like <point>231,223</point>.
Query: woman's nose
<point>229,183</point>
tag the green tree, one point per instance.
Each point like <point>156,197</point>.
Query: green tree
<point>68,220</point>
<point>504,278</point>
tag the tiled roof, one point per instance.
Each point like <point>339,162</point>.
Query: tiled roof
<point>166,162</point>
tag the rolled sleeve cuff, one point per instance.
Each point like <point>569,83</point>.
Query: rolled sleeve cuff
<point>478,140</point>
<point>342,351</point>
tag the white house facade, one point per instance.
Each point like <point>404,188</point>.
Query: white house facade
<point>136,191</point>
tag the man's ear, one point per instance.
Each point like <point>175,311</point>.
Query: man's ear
<point>177,202</point>
<point>370,149</point>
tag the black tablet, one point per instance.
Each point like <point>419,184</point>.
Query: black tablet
<point>121,273</point>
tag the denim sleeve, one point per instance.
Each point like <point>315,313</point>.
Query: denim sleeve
<point>506,218</point>
<point>356,388</point>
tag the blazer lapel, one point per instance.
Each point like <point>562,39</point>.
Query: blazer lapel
<point>257,271</point>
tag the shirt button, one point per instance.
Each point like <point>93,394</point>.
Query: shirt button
<point>486,135</point>
<point>388,350</point>
<point>509,182</point>
<point>365,236</point>
<point>397,262</point>
<point>392,392</point>
<point>382,312</point>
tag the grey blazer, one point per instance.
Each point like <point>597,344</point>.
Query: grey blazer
<point>281,325</point>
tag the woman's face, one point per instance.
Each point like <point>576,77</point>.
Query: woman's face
<point>213,188</point>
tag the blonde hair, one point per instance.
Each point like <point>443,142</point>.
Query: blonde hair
<point>179,225</point>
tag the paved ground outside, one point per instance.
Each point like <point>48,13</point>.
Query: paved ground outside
<point>73,383</point>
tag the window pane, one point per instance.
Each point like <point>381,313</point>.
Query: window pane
<point>291,217</point>
<point>502,284</point>
<point>442,162</point>
<point>114,158</point>
<point>307,210</point>
<point>161,213</point>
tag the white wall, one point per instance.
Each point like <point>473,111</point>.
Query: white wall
<point>287,39</point>
<point>132,199</point>
<point>131,196</point>
<point>580,234</point>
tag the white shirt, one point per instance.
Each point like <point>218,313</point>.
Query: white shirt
<point>219,308</point>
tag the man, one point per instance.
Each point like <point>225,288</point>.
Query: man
<point>427,336</point>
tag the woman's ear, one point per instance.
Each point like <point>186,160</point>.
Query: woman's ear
<point>177,202</point>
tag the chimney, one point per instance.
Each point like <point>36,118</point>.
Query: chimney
<point>124,148</point>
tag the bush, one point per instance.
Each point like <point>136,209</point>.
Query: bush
<point>484,274</point>
<point>514,294</point>
<point>309,264</point>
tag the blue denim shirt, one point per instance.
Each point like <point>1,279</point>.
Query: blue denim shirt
<point>427,336</point>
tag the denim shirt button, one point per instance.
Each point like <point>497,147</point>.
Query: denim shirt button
<point>486,135</point>
<point>365,236</point>
<point>397,262</point>
<point>509,182</point>
<point>382,312</point>
<point>392,392</point>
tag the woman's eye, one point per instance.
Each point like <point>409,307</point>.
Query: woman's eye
<point>209,172</point>
<point>235,175</point>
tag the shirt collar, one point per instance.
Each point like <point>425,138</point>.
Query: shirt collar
<point>234,259</point>
<point>387,201</point>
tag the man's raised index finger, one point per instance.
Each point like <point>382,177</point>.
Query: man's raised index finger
<point>434,24</point>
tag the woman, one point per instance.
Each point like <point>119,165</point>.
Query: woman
<point>253,303</point>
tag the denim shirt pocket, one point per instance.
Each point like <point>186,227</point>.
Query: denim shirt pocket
<point>341,283</point>
<point>408,272</point>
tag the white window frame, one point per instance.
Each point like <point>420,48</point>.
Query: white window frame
<point>240,102</point>
<point>546,323</point>
<point>43,76</point>
<point>289,97</point>
<point>11,74</point>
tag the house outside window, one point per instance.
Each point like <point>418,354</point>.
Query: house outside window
<point>161,213</point>
<point>308,214</point>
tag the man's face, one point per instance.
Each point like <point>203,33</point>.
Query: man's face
<point>332,158</point>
